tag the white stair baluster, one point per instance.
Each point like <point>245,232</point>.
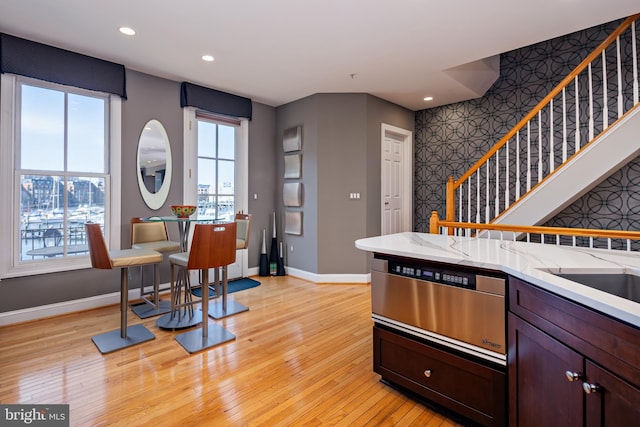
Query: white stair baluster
<point>635,62</point>
<point>469,200</point>
<point>551,153</point>
<point>517,166</point>
<point>487,211</point>
<point>605,107</point>
<point>564,125</point>
<point>506,186</point>
<point>497,202</point>
<point>539,146</point>
<point>528,156</point>
<point>460,190</point>
<point>590,105</point>
<point>478,196</point>
<point>619,61</point>
<point>577,147</point>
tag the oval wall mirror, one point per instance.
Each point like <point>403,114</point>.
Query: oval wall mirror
<point>154,164</point>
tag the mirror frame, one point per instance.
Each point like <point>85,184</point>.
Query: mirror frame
<point>155,200</point>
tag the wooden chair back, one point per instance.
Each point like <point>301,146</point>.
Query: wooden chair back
<point>244,225</point>
<point>144,232</point>
<point>213,245</point>
<point>97,247</point>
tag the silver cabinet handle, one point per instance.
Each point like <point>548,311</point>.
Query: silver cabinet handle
<point>573,376</point>
<point>427,373</point>
<point>590,388</point>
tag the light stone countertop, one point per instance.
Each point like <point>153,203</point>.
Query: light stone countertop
<point>531,262</point>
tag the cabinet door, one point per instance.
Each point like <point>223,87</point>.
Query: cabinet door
<point>610,401</point>
<point>540,393</point>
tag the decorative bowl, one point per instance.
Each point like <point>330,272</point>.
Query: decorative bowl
<point>183,211</point>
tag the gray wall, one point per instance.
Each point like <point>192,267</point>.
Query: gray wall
<point>340,155</point>
<point>262,177</point>
<point>151,97</point>
<point>303,112</point>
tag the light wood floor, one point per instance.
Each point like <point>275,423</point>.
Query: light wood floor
<point>302,356</point>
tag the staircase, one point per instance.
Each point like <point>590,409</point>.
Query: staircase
<point>586,128</point>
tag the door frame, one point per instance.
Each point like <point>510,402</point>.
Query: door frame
<point>407,174</point>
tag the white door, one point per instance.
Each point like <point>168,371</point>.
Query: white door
<point>396,180</point>
<point>216,171</point>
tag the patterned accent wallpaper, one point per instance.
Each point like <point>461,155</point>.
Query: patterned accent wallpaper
<point>451,138</point>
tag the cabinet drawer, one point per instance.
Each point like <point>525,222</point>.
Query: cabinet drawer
<point>607,341</point>
<point>463,386</point>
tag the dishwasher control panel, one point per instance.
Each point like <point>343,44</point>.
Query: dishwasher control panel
<point>437,275</point>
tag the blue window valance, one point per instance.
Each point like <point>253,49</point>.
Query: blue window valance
<point>214,101</point>
<point>52,64</point>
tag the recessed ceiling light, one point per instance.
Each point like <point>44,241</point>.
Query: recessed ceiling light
<point>127,31</point>
<point>428,98</point>
<point>207,58</point>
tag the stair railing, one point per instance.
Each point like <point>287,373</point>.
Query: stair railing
<point>596,94</point>
<point>576,237</point>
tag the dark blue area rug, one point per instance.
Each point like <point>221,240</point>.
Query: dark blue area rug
<point>233,286</point>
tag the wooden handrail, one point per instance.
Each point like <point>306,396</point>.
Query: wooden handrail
<point>435,224</point>
<point>558,89</point>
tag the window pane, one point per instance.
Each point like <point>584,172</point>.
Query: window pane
<point>45,231</point>
<point>86,134</point>
<point>226,208</point>
<point>216,170</point>
<point>206,139</point>
<point>206,176</point>
<point>226,142</point>
<point>42,129</point>
<point>207,208</point>
<point>226,175</point>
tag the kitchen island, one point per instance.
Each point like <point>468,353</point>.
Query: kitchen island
<point>534,263</point>
<point>573,350</point>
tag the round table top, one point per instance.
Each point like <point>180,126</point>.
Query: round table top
<point>174,218</point>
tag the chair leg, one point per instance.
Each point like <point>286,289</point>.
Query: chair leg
<point>194,341</point>
<point>124,297</point>
<point>125,336</point>
<point>156,285</point>
<point>205,302</point>
<point>173,290</point>
<point>225,308</point>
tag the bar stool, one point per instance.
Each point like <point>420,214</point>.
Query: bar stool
<point>213,246</point>
<point>102,258</point>
<point>152,236</point>
<point>244,226</point>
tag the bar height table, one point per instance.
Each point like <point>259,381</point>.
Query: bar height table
<point>181,315</point>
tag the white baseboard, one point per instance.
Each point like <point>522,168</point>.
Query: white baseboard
<point>330,278</point>
<point>65,307</point>
<point>321,278</point>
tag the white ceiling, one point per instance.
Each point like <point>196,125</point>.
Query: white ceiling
<point>277,51</point>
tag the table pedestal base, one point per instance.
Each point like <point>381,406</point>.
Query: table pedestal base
<point>180,320</point>
<point>194,341</point>
<point>112,341</point>
<point>144,310</point>
<point>218,311</point>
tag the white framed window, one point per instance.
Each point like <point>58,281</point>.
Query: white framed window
<point>57,172</point>
<point>216,164</point>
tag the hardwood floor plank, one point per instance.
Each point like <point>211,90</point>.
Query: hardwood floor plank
<point>302,356</point>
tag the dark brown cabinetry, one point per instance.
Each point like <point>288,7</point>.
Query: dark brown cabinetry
<point>556,358</point>
<point>471,389</point>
